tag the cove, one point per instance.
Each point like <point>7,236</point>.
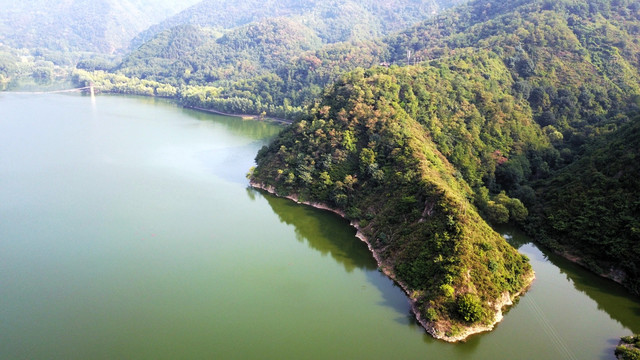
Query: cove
<point>128,230</point>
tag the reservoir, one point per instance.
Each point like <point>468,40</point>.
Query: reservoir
<point>128,231</point>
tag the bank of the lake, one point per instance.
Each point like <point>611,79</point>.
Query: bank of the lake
<point>128,230</point>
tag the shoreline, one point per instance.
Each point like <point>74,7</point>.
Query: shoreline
<point>615,274</point>
<point>505,300</point>
<point>243,116</point>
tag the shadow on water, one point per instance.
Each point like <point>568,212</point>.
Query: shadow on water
<point>245,128</point>
<point>330,234</point>
<point>394,297</point>
<point>609,296</point>
<point>322,230</point>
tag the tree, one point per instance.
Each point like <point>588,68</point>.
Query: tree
<point>469,308</point>
<point>497,213</point>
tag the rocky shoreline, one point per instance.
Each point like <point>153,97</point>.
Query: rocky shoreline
<point>432,329</point>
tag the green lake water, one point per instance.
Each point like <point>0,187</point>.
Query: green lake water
<point>128,231</point>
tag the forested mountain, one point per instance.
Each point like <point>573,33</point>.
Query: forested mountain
<point>188,54</point>
<point>577,65</point>
<point>37,68</point>
<point>80,25</point>
<point>548,46</point>
<point>573,64</point>
<point>531,103</point>
<point>332,20</point>
<point>521,111</point>
<point>288,27</point>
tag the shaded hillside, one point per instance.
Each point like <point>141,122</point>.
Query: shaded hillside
<point>590,208</point>
<point>576,62</point>
<point>292,27</point>
<point>20,68</point>
<point>80,25</point>
<point>364,152</point>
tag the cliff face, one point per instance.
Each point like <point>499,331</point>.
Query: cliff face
<point>362,154</point>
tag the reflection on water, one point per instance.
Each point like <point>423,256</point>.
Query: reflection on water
<point>610,297</point>
<point>317,228</point>
<point>31,85</point>
<point>330,234</point>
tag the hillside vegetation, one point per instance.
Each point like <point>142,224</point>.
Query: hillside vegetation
<point>575,61</point>
<point>532,103</point>
<point>577,66</point>
<point>271,58</point>
<point>188,54</point>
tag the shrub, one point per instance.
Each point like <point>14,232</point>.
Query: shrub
<point>628,348</point>
<point>626,353</point>
<point>469,308</point>
<point>497,213</point>
<point>447,290</point>
<point>431,314</point>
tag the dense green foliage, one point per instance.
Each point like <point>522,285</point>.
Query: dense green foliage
<point>80,25</point>
<point>365,152</point>
<point>268,57</point>
<point>556,53</point>
<point>20,68</point>
<point>575,64</point>
<point>191,55</point>
<point>590,208</point>
<point>120,84</point>
<point>470,308</point>
<point>629,348</point>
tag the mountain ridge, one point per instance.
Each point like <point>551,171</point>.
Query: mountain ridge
<point>341,19</point>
